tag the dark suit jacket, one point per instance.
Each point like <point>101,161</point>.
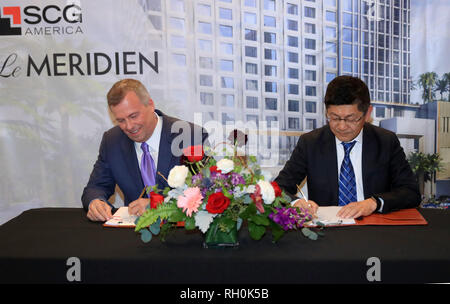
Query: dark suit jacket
<point>385,170</point>
<point>117,163</point>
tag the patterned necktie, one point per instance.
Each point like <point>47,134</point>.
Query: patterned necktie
<point>148,170</point>
<point>347,182</point>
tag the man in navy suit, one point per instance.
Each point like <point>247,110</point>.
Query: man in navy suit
<point>349,150</point>
<point>119,159</point>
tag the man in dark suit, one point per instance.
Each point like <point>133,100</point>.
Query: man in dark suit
<point>350,162</point>
<point>121,156</point>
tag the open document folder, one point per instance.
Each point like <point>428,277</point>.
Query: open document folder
<point>328,216</point>
<point>122,219</point>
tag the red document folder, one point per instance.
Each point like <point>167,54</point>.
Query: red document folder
<point>401,217</point>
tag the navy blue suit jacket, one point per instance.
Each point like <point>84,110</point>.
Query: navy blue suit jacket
<point>117,163</point>
<point>386,172</point>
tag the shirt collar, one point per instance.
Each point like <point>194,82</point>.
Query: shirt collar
<point>153,141</point>
<point>358,138</point>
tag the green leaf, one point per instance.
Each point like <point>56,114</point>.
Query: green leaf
<point>277,231</point>
<point>248,212</point>
<point>226,193</point>
<point>189,224</point>
<point>146,235</point>
<point>309,234</point>
<point>150,216</point>
<point>156,227</point>
<point>177,216</point>
<point>259,219</point>
<point>256,231</point>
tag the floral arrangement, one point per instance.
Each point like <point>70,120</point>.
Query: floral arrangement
<point>218,196</point>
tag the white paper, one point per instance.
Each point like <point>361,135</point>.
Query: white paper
<point>122,218</point>
<point>328,216</point>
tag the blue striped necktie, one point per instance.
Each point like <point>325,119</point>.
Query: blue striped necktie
<point>347,182</point>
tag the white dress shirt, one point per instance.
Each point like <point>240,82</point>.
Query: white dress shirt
<point>152,142</point>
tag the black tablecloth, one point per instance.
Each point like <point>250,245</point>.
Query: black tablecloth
<point>36,245</point>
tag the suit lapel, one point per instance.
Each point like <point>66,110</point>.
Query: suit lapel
<point>329,156</point>
<point>130,158</point>
<point>166,159</point>
<point>368,156</point>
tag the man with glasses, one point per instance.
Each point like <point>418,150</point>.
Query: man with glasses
<point>350,162</point>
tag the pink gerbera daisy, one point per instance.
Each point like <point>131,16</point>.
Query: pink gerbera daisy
<point>190,200</point>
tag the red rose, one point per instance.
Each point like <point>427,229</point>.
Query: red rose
<point>214,169</point>
<point>194,153</point>
<point>155,199</point>
<point>276,188</point>
<point>217,203</point>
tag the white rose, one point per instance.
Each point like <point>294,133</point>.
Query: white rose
<point>267,192</point>
<point>225,165</point>
<point>177,176</point>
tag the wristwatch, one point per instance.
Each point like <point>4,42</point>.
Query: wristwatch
<point>378,201</point>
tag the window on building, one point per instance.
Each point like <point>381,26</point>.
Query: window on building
<point>250,35</point>
<point>310,12</point>
<point>293,106</point>
<point>270,54</point>
<point>228,100</point>
<point>206,80</point>
<point>292,41</point>
<point>293,89</point>
<point>270,37</point>
<point>310,91</point>
<point>207,98</point>
<point>379,112</point>
<point>330,16</point>
<point>292,9</point>
<point>310,107</point>
<point>310,123</point>
<point>310,44</point>
<point>251,51</point>
<point>250,18</point>
<point>251,102</point>
<point>251,68</point>
<point>227,48</point>
<point>271,103</point>
<point>251,84</point>
<point>270,86</point>
<point>293,123</point>
<point>226,65</point>
<point>310,28</point>
<point>225,13</point>
<point>226,30</point>
<point>292,25</point>
<point>270,70</point>
<point>270,21</point>
<point>292,57</point>
<point>292,73</point>
<point>310,75</point>
<point>310,59</point>
<point>206,62</point>
<point>227,82</point>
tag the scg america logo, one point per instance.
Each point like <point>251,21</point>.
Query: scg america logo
<point>11,22</point>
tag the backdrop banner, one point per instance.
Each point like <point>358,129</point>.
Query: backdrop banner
<point>262,65</point>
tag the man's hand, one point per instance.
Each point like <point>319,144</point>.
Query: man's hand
<point>99,211</point>
<point>138,206</point>
<point>357,209</point>
<point>309,205</point>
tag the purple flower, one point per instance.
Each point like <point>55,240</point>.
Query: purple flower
<point>237,179</point>
<point>197,178</point>
<point>289,218</point>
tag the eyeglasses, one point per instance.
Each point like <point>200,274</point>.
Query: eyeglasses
<point>351,121</point>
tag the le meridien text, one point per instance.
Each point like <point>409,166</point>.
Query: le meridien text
<point>227,293</point>
<point>69,64</point>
